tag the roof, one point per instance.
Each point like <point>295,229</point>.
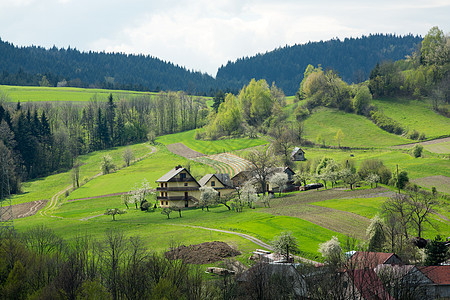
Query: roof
<point>437,274</point>
<point>361,259</point>
<point>205,179</point>
<point>224,179</point>
<point>297,149</point>
<point>369,284</point>
<point>172,173</point>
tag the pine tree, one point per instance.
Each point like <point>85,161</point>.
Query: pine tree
<point>436,251</point>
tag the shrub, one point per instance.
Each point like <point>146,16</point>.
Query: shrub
<point>385,123</point>
<point>417,150</point>
<point>414,135</point>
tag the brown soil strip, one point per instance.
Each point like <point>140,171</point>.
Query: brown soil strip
<point>27,209</point>
<point>182,150</point>
<point>203,253</point>
<point>436,141</point>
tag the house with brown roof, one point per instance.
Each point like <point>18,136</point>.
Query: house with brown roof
<point>440,280</point>
<point>363,259</point>
<point>178,188</point>
<point>220,182</point>
<point>290,184</point>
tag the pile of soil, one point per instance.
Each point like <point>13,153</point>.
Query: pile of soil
<point>203,253</point>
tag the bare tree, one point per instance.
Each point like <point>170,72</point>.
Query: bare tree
<point>422,204</point>
<point>127,156</point>
<point>263,166</point>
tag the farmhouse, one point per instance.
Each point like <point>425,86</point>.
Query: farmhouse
<point>177,188</point>
<point>362,259</point>
<point>220,182</point>
<point>290,184</point>
<point>298,154</point>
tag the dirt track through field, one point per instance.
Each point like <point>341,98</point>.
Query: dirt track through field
<point>55,198</point>
<point>250,238</point>
<point>436,141</point>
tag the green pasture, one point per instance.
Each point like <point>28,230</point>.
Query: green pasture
<point>416,167</point>
<point>441,148</point>
<point>150,168</point>
<point>46,187</point>
<point>366,207</point>
<point>358,130</point>
<point>440,182</point>
<point>38,93</point>
<point>209,147</point>
<point>159,232</point>
<point>415,115</point>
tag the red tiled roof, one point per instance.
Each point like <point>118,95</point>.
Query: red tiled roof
<point>369,284</point>
<point>437,274</point>
<point>363,259</point>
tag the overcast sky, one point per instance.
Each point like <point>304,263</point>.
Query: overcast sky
<point>202,35</point>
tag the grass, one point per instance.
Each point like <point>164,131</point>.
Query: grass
<point>441,183</point>
<point>46,187</point>
<point>442,148</point>
<point>366,207</point>
<point>209,147</point>
<point>158,231</point>
<point>415,115</point>
<point>38,94</point>
<point>150,168</point>
<point>358,130</point>
<point>416,167</point>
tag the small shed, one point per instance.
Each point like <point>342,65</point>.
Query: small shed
<point>298,154</point>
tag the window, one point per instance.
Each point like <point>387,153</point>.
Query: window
<point>213,183</point>
<point>167,202</point>
<point>182,175</point>
<point>185,184</point>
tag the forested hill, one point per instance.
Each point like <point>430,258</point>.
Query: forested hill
<point>352,59</point>
<point>28,65</point>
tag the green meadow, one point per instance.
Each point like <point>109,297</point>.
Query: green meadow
<point>209,147</point>
<point>151,168</point>
<point>358,130</point>
<point>46,187</point>
<point>415,115</point>
<point>68,94</point>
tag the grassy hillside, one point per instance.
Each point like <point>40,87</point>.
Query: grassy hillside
<point>358,130</point>
<point>36,93</point>
<point>209,147</point>
<point>151,168</point>
<point>415,115</point>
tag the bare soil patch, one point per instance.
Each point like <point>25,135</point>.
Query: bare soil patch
<point>203,253</point>
<point>27,209</point>
<point>183,150</point>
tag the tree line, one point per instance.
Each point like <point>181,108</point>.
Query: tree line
<point>351,58</point>
<point>37,139</point>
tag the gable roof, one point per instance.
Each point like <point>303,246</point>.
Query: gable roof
<point>205,179</point>
<point>296,150</point>
<point>224,179</point>
<point>172,173</point>
<point>369,284</point>
<point>362,259</point>
<point>438,274</point>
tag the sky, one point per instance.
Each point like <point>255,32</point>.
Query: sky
<point>203,35</point>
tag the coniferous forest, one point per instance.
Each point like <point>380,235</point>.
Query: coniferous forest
<point>352,59</point>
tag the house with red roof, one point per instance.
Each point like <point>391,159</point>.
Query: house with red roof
<point>440,280</point>
<point>363,259</point>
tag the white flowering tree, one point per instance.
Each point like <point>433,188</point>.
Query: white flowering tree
<point>279,180</point>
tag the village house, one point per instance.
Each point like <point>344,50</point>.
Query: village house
<point>177,188</point>
<point>297,154</point>
<point>220,182</point>
<point>290,185</point>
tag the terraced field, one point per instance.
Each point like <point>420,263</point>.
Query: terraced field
<point>226,163</point>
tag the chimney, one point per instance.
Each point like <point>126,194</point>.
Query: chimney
<point>178,167</point>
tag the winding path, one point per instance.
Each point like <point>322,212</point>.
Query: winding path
<point>248,237</point>
<point>54,200</point>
